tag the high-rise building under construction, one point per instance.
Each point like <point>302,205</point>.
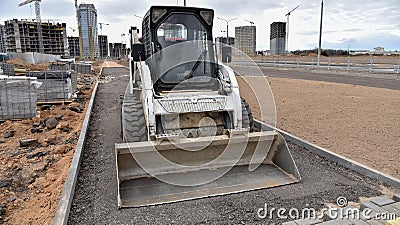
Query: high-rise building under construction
<point>103,46</point>
<point>23,36</point>
<point>3,39</point>
<point>73,45</point>
<point>278,38</point>
<point>245,39</point>
<point>88,35</point>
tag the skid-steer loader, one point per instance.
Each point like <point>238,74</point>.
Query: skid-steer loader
<point>187,132</point>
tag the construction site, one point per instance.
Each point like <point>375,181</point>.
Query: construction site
<point>161,130</point>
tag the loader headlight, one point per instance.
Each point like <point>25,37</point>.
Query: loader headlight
<point>157,14</point>
<point>207,16</point>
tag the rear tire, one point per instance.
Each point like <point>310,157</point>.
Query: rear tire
<point>133,122</point>
<point>247,116</point>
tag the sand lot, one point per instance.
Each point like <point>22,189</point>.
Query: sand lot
<point>361,123</point>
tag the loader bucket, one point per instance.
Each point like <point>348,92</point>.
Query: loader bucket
<point>136,187</point>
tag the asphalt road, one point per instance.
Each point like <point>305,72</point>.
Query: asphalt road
<point>95,199</point>
<point>355,79</point>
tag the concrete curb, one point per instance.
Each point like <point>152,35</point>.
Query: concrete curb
<point>341,160</point>
<point>67,194</point>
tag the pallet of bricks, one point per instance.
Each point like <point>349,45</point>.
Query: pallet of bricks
<point>57,86</point>
<point>18,96</point>
<point>59,66</point>
<point>84,68</point>
<point>8,69</point>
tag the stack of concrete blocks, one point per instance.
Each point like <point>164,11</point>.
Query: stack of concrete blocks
<point>74,80</point>
<point>59,66</point>
<point>8,69</point>
<point>18,96</point>
<point>83,68</point>
<point>56,85</point>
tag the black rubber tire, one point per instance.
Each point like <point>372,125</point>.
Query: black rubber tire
<point>247,116</point>
<point>133,122</point>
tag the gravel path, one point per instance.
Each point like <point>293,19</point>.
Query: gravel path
<point>95,200</point>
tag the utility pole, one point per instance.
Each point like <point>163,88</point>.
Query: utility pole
<point>287,29</point>
<point>184,3</point>
<point>227,27</point>
<point>122,53</point>
<point>320,34</point>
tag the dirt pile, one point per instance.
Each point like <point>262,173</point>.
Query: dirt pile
<point>39,67</point>
<point>20,64</point>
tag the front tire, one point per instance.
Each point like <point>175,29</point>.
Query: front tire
<point>133,122</point>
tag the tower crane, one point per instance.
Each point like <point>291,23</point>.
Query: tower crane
<point>101,27</point>
<point>38,21</point>
<point>251,22</point>
<point>287,29</point>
